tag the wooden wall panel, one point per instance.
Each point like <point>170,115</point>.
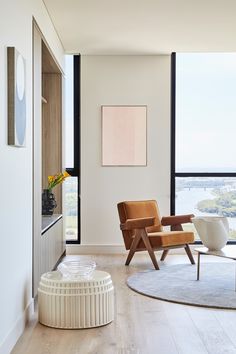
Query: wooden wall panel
<point>51,133</point>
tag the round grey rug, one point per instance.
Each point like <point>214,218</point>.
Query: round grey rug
<point>177,283</point>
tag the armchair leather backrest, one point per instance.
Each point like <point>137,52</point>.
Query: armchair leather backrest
<point>138,209</point>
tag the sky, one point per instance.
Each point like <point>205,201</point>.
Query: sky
<point>206,112</point>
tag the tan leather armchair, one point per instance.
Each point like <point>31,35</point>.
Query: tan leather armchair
<point>142,229</point>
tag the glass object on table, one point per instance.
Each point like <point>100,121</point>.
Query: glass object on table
<point>77,269</point>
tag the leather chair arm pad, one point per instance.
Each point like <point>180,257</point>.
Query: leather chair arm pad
<point>139,223</point>
<point>176,219</point>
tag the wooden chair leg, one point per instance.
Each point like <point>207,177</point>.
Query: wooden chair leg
<point>164,254</point>
<point>133,247</point>
<point>149,248</point>
<point>189,253</point>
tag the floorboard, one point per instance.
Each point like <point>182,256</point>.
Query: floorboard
<point>142,325</point>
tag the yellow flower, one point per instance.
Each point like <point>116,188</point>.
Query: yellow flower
<point>50,179</point>
<point>57,179</point>
<point>66,174</point>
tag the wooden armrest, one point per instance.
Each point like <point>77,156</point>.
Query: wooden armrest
<point>139,223</point>
<point>176,219</point>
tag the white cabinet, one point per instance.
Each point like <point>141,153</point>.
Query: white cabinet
<point>53,245</point>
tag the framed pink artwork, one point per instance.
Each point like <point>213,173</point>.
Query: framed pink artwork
<point>124,135</point>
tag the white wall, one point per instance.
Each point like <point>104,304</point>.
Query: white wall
<point>16,171</point>
<point>117,80</point>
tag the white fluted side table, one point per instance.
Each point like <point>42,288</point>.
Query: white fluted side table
<point>76,303</point>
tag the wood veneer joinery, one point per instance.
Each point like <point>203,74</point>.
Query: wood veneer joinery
<point>52,132</point>
<point>49,65</point>
<point>49,247</point>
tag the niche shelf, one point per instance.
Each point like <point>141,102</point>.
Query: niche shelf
<point>51,122</point>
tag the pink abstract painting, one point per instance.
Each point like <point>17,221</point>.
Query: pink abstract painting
<point>124,135</point>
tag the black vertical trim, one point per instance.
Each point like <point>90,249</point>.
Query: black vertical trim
<point>77,114</point>
<point>77,81</point>
<point>172,148</point>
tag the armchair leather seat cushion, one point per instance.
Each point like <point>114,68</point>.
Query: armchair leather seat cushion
<point>166,239</point>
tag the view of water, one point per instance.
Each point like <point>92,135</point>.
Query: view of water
<point>187,200</point>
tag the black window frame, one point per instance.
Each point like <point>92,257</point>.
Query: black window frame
<point>175,174</point>
<point>75,170</point>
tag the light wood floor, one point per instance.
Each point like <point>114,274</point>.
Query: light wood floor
<point>142,325</point>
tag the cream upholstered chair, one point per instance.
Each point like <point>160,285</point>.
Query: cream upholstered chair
<point>142,229</point>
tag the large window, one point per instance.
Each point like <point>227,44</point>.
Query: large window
<point>72,148</point>
<point>203,130</point>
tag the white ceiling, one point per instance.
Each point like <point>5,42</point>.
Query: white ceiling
<point>144,26</point>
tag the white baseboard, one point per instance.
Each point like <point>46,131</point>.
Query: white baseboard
<point>95,249</point>
<point>14,334</point>
<point>109,249</point>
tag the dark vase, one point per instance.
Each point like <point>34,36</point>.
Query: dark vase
<point>48,202</point>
